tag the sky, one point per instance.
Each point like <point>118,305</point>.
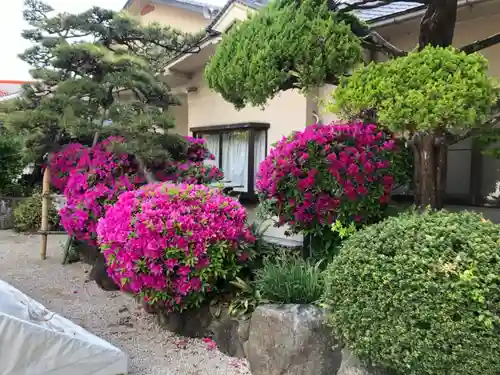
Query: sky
<point>11,25</point>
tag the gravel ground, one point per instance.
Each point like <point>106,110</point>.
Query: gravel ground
<point>112,316</point>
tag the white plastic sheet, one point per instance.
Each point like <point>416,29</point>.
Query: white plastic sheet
<point>35,341</point>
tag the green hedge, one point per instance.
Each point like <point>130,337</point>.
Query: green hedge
<point>28,215</point>
<point>420,294</point>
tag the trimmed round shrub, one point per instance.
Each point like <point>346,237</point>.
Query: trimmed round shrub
<point>420,294</point>
<point>326,173</point>
<point>171,244</point>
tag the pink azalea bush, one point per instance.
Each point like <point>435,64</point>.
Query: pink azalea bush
<point>63,163</point>
<point>92,178</point>
<point>193,169</point>
<point>95,183</point>
<point>170,244</point>
<point>197,150</point>
<point>327,173</point>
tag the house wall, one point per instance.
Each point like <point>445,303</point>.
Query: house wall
<point>291,110</point>
<point>184,20</point>
<point>180,114</point>
<point>287,112</point>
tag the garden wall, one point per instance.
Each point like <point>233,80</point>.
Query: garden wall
<point>7,205</point>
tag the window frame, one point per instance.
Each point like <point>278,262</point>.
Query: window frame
<point>252,128</point>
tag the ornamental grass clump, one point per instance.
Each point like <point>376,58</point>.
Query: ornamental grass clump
<point>419,294</point>
<point>172,244</point>
<point>326,173</point>
<point>290,279</point>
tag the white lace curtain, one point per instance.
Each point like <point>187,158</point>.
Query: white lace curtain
<point>213,142</point>
<point>260,151</point>
<point>235,159</point>
<point>235,150</point>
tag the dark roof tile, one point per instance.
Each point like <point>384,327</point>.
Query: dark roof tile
<point>368,15</point>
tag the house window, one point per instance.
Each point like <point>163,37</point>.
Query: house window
<point>238,149</point>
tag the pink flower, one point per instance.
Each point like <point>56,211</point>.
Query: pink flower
<point>211,345</point>
<point>164,249</point>
<point>346,163</point>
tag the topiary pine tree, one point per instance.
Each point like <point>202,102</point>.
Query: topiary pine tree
<point>307,43</point>
<point>283,46</point>
<point>83,64</point>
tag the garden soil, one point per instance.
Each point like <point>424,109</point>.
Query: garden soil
<point>109,315</point>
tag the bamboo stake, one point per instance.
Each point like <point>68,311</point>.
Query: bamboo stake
<point>45,211</point>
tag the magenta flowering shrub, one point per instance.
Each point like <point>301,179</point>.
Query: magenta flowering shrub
<point>170,244</point>
<point>197,150</point>
<point>327,173</point>
<point>94,184</point>
<point>63,163</point>
<point>92,178</point>
<point>194,173</point>
<point>193,170</point>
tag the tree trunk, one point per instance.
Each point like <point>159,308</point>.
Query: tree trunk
<point>438,24</point>
<point>148,175</point>
<point>441,171</point>
<point>437,29</point>
<point>430,153</point>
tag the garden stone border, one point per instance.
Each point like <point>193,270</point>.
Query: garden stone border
<point>275,339</point>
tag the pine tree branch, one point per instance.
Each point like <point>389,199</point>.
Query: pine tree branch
<point>376,42</point>
<point>293,83</point>
<point>479,45</point>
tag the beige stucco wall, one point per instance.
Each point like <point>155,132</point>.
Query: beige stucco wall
<point>180,113</point>
<point>291,110</point>
<point>184,20</point>
<point>287,112</point>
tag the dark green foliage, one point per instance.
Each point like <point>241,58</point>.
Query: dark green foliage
<point>28,215</point>
<point>92,68</point>
<point>11,165</point>
<point>284,45</point>
<point>289,279</point>
<point>420,294</point>
<point>426,90</point>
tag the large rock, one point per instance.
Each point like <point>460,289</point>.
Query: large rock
<point>7,205</point>
<point>351,365</point>
<point>189,323</point>
<point>230,335</point>
<point>291,340</point>
<point>88,254</point>
<point>99,274</point>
